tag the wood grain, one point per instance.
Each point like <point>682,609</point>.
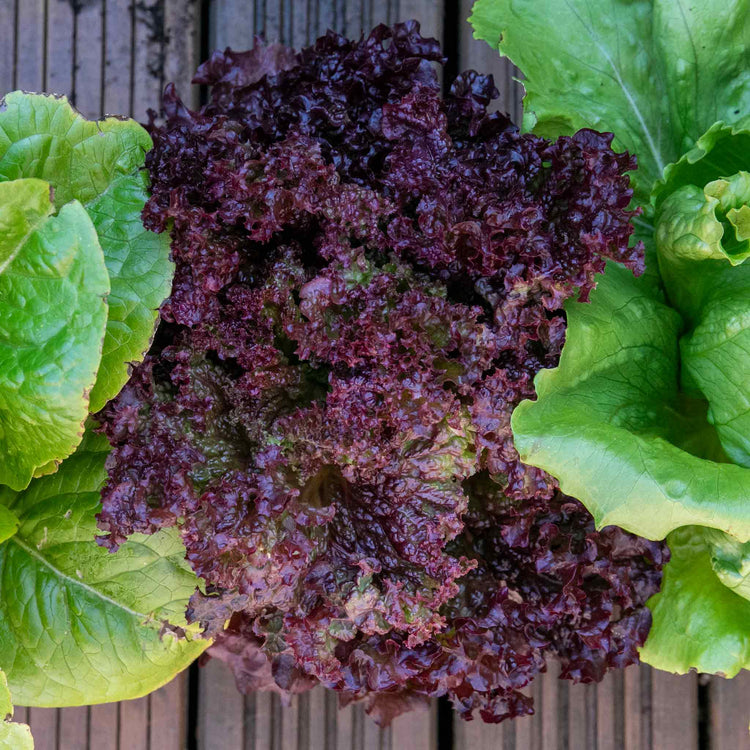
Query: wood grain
<point>88,75</point>
<point>730,712</point>
<point>104,727</point>
<point>44,727</point>
<point>182,31</point>
<point>8,42</point>
<point>674,711</point>
<point>118,52</point>
<point>168,715</point>
<point>73,727</point>
<point>133,727</point>
<point>148,58</point>
<point>30,37</point>
<point>415,731</point>
<point>60,51</point>
<point>221,709</point>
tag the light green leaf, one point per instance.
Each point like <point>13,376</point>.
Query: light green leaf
<point>701,207</point>
<point>12,736</point>
<point>608,422</point>
<point>657,73</point>
<point>52,320</point>
<point>730,560</point>
<point>721,151</point>
<point>101,165</point>
<point>697,622</point>
<point>8,523</point>
<point>81,625</point>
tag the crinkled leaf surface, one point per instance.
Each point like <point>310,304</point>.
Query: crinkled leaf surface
<point>657,73</point>
<point>609,425</point>
<point>697,622</point>
<point>13,736</point>
<point>52,319</point>
<point>81,625</point>
<point>100,164</point>
<point>702,208</point>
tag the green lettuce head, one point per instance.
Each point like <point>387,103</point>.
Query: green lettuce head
<point>81,280</point>
<point>647,417</point>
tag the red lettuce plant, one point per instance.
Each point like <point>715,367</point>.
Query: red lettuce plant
<point>368,277</point>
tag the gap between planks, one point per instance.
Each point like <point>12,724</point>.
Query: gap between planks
<point>312,721</point>
<point>156,722</point>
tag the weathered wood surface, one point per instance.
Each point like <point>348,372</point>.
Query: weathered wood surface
<point>114,56</point>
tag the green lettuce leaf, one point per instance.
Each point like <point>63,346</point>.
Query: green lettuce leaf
<point>99,164</point>
<point>702,243</point>
<point>610,425</point>
<point>52,320</point>
<point>81,625</point>
<point>730,560</point>
<point>657,73</point>
<point>697,622</point>
<point>12,736</point>
<point>8,523</point>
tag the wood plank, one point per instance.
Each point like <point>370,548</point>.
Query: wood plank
<point>674,711</point>
<point>30,32</point>
<point>118,50</point>
<point>375,737</point>
<point>415,731</point>
<point>576,719</point>
<point>168,712</point>
<point>549,709</point>
<point>343,730</point>
<point>232,24</point>
<point>221,708</point>
<point>325,18</point>
<point>73,728</point>
<point>313,720</point>
<point>607,736</point>
<point>104,723</point>
<point>730,712</point>
<point>476,735</point>
<point>133,728</point>
<point>88,75</point>
<point>148,60</point>
<point>182,46</point>
<point>271,20</point>
<point>8,42</point>
<point>286,719</point>
<point>298,24</point>
<point>43,723</point>
<point>262,722</point>
<point>527,732</point>
<point>59,78</point>
<point>634,707</point>
<point>475,54</point>
<point>427,12</point>
<point>591,708</point>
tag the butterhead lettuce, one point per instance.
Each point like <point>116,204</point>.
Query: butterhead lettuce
<point>647,417</point>
<point>80,282</point>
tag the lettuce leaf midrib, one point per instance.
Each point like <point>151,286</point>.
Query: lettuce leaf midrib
<point>76,582</point>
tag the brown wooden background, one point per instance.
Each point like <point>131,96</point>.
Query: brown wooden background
<point>114,56</point>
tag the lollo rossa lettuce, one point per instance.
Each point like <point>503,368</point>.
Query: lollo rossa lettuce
<point>368,278</point>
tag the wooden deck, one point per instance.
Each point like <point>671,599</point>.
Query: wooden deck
<point>114,56</point>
